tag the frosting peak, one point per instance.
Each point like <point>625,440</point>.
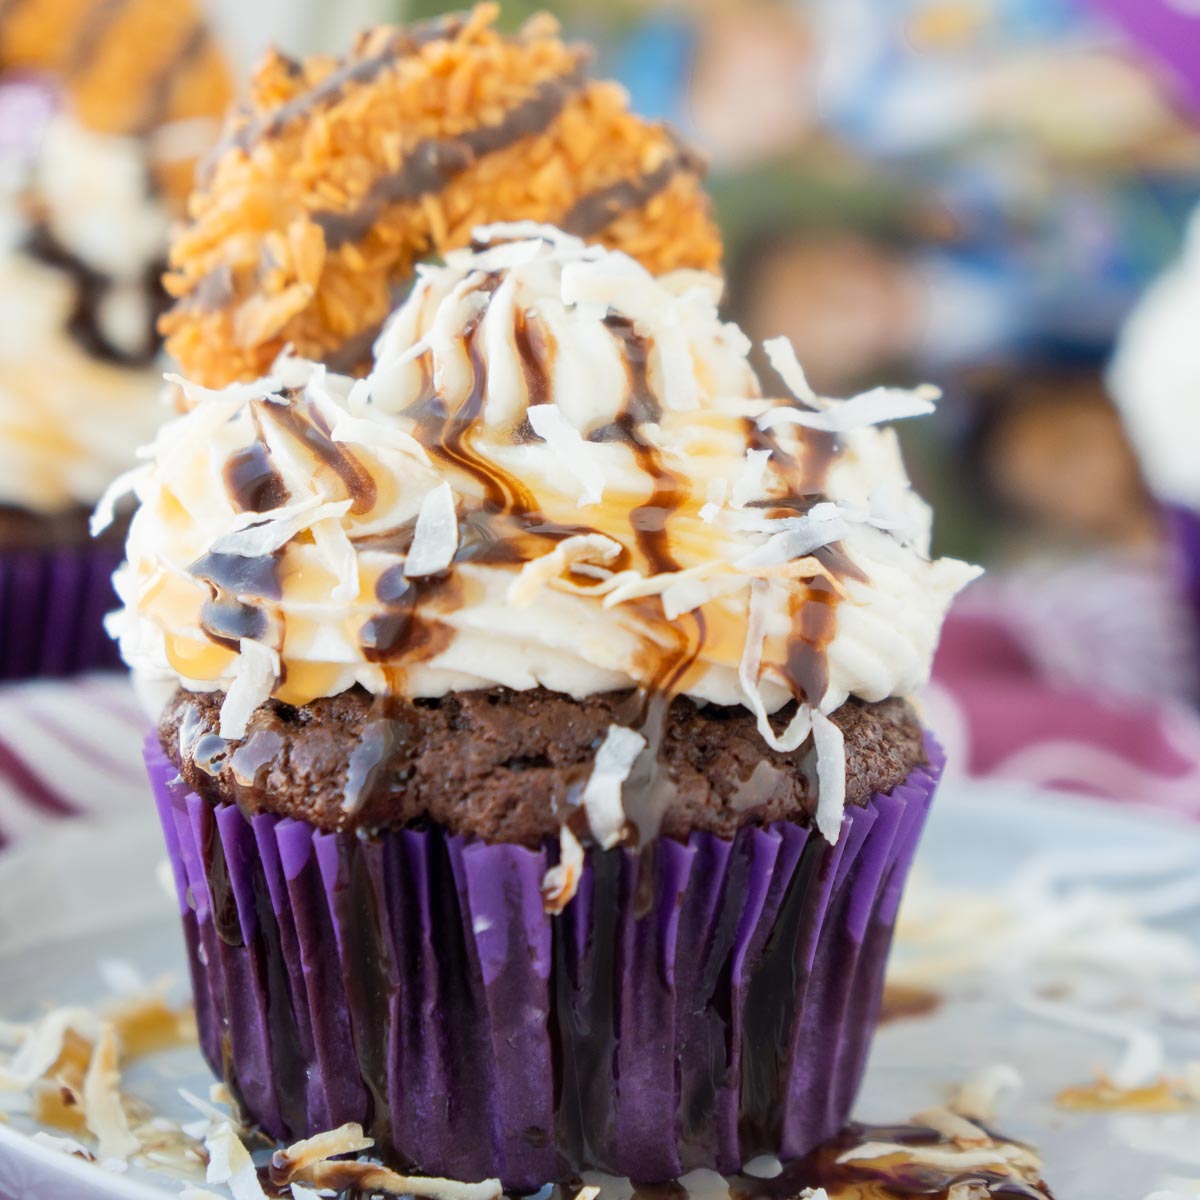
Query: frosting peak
<point>562,473</point>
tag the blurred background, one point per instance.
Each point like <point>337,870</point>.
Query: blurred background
<point>975,193</point>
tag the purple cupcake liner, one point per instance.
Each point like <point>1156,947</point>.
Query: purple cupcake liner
<point>1184,526</point>
<point>412,982</point>
<point>52,607</point>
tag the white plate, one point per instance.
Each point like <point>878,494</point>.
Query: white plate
<point>89,893</point>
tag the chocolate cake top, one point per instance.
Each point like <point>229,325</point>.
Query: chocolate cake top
<point>512,766</point>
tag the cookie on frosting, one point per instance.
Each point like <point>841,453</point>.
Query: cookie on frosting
<point>341,174</point>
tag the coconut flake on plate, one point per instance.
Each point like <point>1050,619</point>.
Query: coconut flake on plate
<point>435,538</point>
<point>1145,1056</point>
<point>103,1112</point>
<point>317,1161</point>
<point>568,446</point>
<point>978,1098</point>
<point>288,1163</point>
<point>601,797</point>
<point>229,1162</point>
<point>63,1145</point>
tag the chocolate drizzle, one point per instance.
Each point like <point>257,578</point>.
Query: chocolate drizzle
<point>300,419</point>
<point>91,287</point>
<point>162,86</point>
<point>226,616</point>
<point>593,213</point>
<point>402,44</point>
<point>102,15</point>
<point>433,162</point>
<point>253,483</point>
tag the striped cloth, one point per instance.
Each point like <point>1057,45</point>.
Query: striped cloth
<point>69,748</point>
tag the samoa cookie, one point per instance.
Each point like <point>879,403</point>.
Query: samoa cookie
<point>144,68</point>
<point>339,175</point>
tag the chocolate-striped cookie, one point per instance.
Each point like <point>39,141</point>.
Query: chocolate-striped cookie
<point>340,174</point>
<point>127,67</point>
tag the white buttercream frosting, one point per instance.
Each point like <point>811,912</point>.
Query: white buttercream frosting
<point>1155,378</point>
<point>560,473</point>
<point>69,421</point>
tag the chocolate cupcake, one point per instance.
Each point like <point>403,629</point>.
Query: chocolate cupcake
<point>533,753</point>
<point>1155,378</point>
<point>94,153</point>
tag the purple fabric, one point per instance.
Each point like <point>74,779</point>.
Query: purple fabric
<point>412,982</point>
<point>1169,30</point>
<point>52,606</point>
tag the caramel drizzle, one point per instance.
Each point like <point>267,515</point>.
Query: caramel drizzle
<point>433,162</point>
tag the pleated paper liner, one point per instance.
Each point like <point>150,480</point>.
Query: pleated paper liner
<point>52,607</point>
<point>1184,528</point>
<point>411,981</point>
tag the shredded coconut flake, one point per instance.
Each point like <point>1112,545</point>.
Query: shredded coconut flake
<point>572,451</point>
<point>64,1145</point>
<point>748,485</point>
<point>253,681</point>
<point>798,537</point>
<point>749,671</point>
<point>229,1162</point>
<point>831,776</point>
<point>602,793</point>
<point>267,532</point>
<point>978,1097</point>
<point>435,538</point>
<point>39,1045</point>
<point>106,507</point>
<point>105,1117</point>
<point>562,880</point>
<point>876,407</point>
<point>782,356</point>
<point>538,572</point>
<point>346,1139</point>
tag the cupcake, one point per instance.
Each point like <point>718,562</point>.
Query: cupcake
<point>95,154</point>
<point>533,752</point>
<point>1155,379</point>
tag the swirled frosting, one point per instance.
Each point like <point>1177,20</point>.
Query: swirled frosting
<point>1155,378</point>
<point>561,472</point>
<point>80,234</point>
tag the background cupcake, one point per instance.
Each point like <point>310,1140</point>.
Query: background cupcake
<point>1155,376</point>
<point>104,109</point>
<point>544,688</point>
